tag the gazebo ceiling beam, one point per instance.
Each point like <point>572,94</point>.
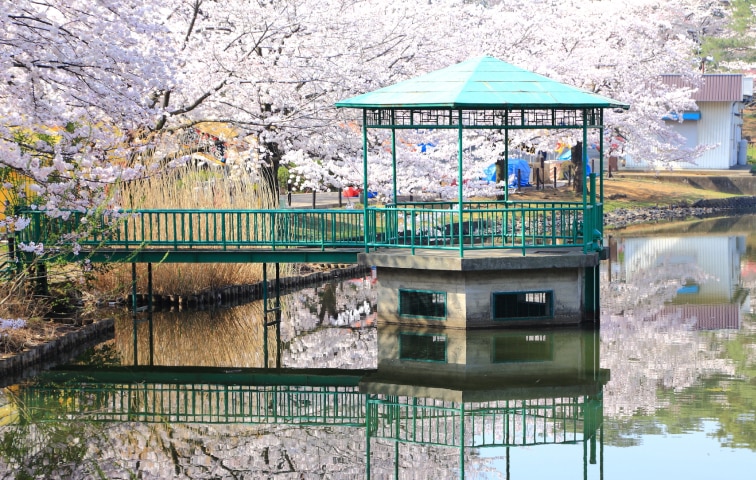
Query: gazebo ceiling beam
<point>514,119</point>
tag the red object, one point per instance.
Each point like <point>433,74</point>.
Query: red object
<point>351,192</point>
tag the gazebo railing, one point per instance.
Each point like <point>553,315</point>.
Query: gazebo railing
<point>485,225</point>
<point>486,424</point>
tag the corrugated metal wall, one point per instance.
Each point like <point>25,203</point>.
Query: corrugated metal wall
<point>716,127</point>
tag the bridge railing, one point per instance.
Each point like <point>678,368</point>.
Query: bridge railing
<point>197,403</point>
<point>185,229</point>
<point>434,225</point>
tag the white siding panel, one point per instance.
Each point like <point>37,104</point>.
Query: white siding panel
<point>689,130</point>
<point>716,127</point>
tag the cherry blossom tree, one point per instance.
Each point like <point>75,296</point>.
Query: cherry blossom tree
<point>76,82</point>
<point>89,90</point>
<point>616,49</point>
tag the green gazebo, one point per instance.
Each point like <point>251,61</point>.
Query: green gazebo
<point>483,93</point>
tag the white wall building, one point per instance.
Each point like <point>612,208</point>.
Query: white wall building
<point>717,122</point>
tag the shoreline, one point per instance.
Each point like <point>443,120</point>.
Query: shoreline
<point>625,217</point>
<point>32,361</point>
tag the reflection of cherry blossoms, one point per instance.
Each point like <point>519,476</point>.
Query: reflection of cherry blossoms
<point>645,356</point>
<point>309,334</point>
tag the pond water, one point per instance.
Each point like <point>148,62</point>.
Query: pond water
<point>665,389</point>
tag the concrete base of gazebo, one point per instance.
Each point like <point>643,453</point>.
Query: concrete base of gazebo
<point>485,288</point>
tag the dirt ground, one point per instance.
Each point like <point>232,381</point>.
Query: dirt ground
<point>624,192</point>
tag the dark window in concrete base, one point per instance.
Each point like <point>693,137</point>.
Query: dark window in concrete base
<point>422,304</point>
<point>519,305</point>
<point>428,348</point>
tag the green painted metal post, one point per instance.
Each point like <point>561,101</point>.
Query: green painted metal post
<point>149,313</point>
<point>134,309</point>
<point>601,449</point>
<point>584,154</point>
<point>506,160</point>
<point>459,186</point>
<point>365,178</point>
<point>601,158</point>
<point>462,440</point>
<point>223,230</point>
<point>393,161</point>
<point>585,458</point>
<point>265,315</point>
<point>278,315</point>
<point>522,230</point>
<point>367,436</point>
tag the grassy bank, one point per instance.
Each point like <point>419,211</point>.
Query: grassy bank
<point>630,193</point>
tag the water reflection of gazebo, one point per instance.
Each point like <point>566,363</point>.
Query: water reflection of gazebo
<point>462,240</point>
<point>472,390</point>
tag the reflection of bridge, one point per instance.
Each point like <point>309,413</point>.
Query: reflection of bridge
<point>308,397</point>
<point>487,389</point>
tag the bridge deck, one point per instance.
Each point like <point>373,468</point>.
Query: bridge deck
<point>215,255</point>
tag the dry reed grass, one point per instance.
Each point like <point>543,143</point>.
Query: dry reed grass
<point>197,187</point>
<point>217,338</point>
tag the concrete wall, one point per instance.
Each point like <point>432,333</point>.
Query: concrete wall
<point>468,294</point>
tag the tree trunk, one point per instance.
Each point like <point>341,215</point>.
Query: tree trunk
<point>501,176</point>
<point>577,161</point>
<point>269,171</point>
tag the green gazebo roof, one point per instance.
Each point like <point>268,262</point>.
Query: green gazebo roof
<point>480,83</point>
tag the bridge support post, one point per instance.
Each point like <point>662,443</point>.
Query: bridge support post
<point>278,315</point>
<point>149,312</point>
<point>134,309</point>
<point>265,315</point>
<point>276,310</point>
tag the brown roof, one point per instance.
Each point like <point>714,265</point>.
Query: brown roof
<point>716,87</point>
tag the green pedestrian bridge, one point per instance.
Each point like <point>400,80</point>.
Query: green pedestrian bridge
<point>318,235</point>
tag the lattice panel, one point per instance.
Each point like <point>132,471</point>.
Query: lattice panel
<point>517,118</point>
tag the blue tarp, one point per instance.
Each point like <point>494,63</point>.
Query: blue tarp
<point>515,164</point>
<point>490,173</point>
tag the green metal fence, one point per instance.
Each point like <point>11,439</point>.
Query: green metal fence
<point>224,229</point>
<point>433,225</point>
<point>483,424</point>
<point>198,403</point>
<point>485,225</point>
<point>404,419</point>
